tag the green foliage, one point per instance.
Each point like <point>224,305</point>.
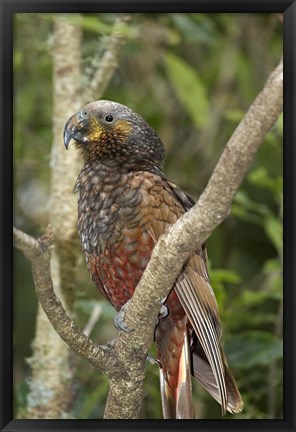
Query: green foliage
<point>192,77</point>
<point>219,279</point>
<point>189,88</point>
<point>259,349</point>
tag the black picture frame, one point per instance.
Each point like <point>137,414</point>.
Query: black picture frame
<point>7,9</point>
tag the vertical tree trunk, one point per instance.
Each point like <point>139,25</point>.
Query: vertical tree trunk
<point>50,387</point>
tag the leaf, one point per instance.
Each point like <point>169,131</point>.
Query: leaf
<point>234,115</point>
<point>272,265</point>
<point>254,348</point>
<point>225,275</point>
<point>248,210</point>
<point>260,178</point>
<point>274,230</point>
<point>189,88</point>
<point>195,27</point>
<point>245,215</point>
<point>243,199</point>
<point>252,298</point>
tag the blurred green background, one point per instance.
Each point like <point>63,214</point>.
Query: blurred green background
<point>192,77</point>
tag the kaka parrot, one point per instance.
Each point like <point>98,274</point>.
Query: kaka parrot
<point>125,203</point>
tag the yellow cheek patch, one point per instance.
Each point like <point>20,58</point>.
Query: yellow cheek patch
<point>123,127</point>
<point>118,131</point>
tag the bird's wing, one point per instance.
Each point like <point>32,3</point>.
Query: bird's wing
<point>202,371</point>
<point>162,204</point>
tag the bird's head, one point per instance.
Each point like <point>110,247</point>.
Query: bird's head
<point>109,132</point>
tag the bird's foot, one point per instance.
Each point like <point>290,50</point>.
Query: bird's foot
<point>153,361</point>
<point>119,320</point>
<point>109,345</point>
<point>164,312</point>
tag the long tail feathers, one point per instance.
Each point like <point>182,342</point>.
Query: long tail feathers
<point>198,301</point>
<point>177,399</point>
<point>203,373</point>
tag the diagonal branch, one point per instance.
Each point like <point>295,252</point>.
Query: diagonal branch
<point>39,253</point>
<point>110,59</point>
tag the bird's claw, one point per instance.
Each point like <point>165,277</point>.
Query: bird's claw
<point>153,361</point>
<point>119,320</point>
<point>108,345</point>
<point>164,311</point>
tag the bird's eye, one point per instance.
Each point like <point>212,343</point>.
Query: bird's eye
<point>84,113</point>
<point>109,118</point>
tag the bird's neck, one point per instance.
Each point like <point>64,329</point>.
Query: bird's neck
<point>94,175</point>
<point>110,166</point>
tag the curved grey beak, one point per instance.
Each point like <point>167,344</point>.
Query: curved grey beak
<point>67,137</point>
<point>76,128</point>
<point>69,131</point>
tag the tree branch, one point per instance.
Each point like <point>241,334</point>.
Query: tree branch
<point>109,61</point>
<point>55,380</point>
<point>94,317</point>
<point>39,253</point>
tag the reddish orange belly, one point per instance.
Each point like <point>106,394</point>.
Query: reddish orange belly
<point>118,270</point>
